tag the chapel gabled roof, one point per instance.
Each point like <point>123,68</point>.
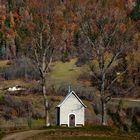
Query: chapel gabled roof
<point>65,99</point>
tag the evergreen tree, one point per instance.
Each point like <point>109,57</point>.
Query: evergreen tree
<point>135,14</point>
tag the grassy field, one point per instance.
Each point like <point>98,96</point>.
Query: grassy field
<point>67,73</point>
<point>80,138</point>
<point>37,101</point>
<point>3,63</point>
<point>86,133</point>
<point>62,74</point>
<point>83,133</point>
<point>67,70</point>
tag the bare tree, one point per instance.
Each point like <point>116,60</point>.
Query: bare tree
<point>41,25</point>
<point>109,34</point>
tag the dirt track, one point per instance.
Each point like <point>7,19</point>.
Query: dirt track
<point>37,134</point>
<point>23,135</point>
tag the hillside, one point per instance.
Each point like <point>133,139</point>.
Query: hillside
<point>51,47</point>
<point>18,119</point>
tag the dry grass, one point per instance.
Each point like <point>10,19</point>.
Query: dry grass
<point>4,63</point>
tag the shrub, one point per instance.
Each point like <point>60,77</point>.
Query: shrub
<point>135,14</point>
<point>97,108</point>
<point>1,98</point>
<point>135,125</point>
<point>100,128</point>
<point>21,68</point>
<point>15,108</point>
<point>84,77</point>
<point>37,115</point>
<point>36,89</point>
<point>1,133</point>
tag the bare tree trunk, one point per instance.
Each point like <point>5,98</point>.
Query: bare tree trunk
<point>46,112</point>
<point>103,101</point>
<point>104,113</point>
<point>46,103</point>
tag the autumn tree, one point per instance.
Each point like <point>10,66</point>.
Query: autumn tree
<point>8,32</point>
<point>109,34</point>
<point>39,22</point>
<point>135,13</point>
<point>68,24</point>
<point>2,19</point>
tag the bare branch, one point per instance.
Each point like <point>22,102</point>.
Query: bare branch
<point>37,61</point>
<point>35,42</point>
<point>113,81</point>
<point>48,65</point>
<point>115,56</point>
<point>87,36</point>
<point>111,36</point>
<point>108,98</point>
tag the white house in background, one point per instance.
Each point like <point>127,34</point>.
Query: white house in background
<point>71,111</point>
<point>16,88</point>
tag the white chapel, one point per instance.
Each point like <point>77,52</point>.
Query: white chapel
<point>71,111</point>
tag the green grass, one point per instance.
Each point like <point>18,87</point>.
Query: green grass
<point>84,133</point>
<point>86,138</point>
<point>37,122</point>
<point>1,134</point>
<point>93,128</point>
<point>81,138</point>
<point>67,71</point>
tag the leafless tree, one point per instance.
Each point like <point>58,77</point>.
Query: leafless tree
<point>42,43</point>
<point>109,34</point>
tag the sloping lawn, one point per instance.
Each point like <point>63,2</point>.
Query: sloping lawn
<point>67,71</point>
<point>84,138</point>
<point>3,63</point>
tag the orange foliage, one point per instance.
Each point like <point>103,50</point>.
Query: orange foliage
<point>122,27</point>
<point>136,39</point>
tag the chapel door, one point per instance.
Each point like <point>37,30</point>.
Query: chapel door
<point>71,120</point>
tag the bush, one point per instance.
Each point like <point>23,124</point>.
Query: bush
<point>135,14</point>
<point>97,108</point>
<point>37,115</point>
<point>36,89</point>
<point>15,108</point>
<point>1,98</point>
<point>21,68</point>
<point>125,119</point>
<point>98,128</point>
<point>62,90</point>
<point>84,77</point>
<point>102,128</point>
<point>135,125</point>
<point>1,133</point>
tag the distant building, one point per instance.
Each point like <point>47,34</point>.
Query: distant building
<point>71,111</point>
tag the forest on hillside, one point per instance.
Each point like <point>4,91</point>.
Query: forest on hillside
<point>101,37</point>
<point>68,29</point>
